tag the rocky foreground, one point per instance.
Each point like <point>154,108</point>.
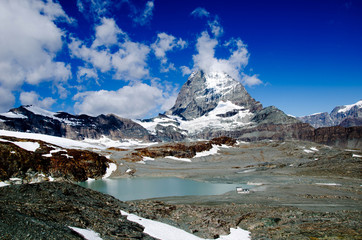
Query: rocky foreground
<point>46,210</point>
<point>300,190</point>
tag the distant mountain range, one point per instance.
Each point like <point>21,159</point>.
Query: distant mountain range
<point>209,105</point>
<point>345,116</point>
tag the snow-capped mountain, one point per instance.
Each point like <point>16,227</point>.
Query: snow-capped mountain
<point>208,105</point>
<point>214,104</point>
<point>204,91</point>
<point>61,124</point>
<point>346,116</point>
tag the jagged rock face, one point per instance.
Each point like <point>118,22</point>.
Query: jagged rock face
<point>202,92</point>
<point>318,120</point>
<point>32,119</point>
<point>346,116</point>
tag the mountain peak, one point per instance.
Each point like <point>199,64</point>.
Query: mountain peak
<point>203,91</point>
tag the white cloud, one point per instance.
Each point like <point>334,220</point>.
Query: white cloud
<point>163,44</point>
<point>130,61</point>
<point>145,16</point>
<point>234,65</point>
<point>7,99</point>
<point>93,8</point>
<point>126,61</point>
<point>130,101</point>
<point>106,33</point>
<point>185,70</point>
<point>100,59</point>
<point>86,73</point>
<point>32,98</point>
<point>29,42</point>
<point>200,12</point>
<point>251,80</point>
<point>216,28</point>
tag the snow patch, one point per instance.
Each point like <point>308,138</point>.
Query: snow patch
<point>308,151</point>
<point>62,142</point>
<point>151,125</point>
<point>2,184</point>
<point>212,120</point>
<point>13,115</point>
<point>351,150</point>
<point>164,231</point>
<point>328,184</point>
<point>356,155</point>
<point>148,159</point>
<point>29,146</point>
<point>178,159</point>
<point>105,142</point>
<point>212,151</point>
<point>248,170</point>
<point>346,108</point>
<point>112,167</point>
<point>87,233</point>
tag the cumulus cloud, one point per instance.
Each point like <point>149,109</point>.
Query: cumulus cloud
<point>100,59</point>
<point>127,59</point>
<point>32,98</point>
<point>234,65</point>
<point>130,101</point>
<point>7,99</point>
<point>29,42</point>
<point>106,33</point>
<point>200,12</point>
<point>163,44</point>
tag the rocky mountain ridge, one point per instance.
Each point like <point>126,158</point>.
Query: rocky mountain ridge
<point>346,116</point>
<point>208,106</point>
<point>34,119</point>
<point>202,93</point>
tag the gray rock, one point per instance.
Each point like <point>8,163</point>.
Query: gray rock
<point>346,116</point>
<point>202,92</point>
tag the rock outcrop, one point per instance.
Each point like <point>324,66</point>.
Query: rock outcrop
<point>48,161</point>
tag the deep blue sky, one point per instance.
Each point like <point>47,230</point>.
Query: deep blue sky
<point>306,53</point>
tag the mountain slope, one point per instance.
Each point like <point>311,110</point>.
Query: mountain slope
<point>213,104</point>
<point>202,92</point>
<point>37,120</point>
<point>346,116</point>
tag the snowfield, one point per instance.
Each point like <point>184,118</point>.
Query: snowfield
<point>164,231</point>
<point>212,119</point>
<point>101,144</point>
<point>346,108</point>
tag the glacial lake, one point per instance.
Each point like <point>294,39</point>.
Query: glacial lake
<point>127,189</point>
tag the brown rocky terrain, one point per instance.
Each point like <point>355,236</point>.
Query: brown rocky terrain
<point>71,164</point>
<point>179,150</point>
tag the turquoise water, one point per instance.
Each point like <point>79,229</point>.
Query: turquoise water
<point>127,189</point>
